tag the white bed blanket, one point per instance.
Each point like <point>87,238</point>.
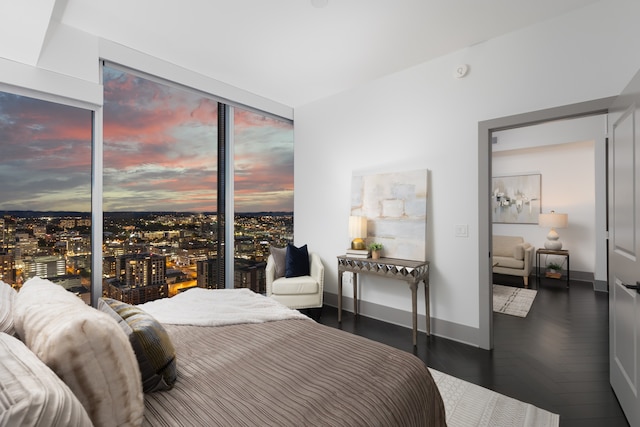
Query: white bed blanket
<point>218,307</point>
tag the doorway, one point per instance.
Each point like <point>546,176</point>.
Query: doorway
<point>485,131</point>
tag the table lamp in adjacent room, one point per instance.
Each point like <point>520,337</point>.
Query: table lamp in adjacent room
<point>358,231</point>
<point>553,220</point>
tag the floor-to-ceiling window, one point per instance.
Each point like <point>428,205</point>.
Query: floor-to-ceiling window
<point>45,198</point>
<point>263,193</point>
<point>163,178</point>
<point>160,196</point>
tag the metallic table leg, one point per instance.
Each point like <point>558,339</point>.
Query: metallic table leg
<point>355,294</point>
<point>428,306</point>
<point>340,296</point>
<point>414,310</point>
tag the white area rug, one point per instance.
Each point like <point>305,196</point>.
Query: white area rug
<point>513,301</point>
<point>468,405</point>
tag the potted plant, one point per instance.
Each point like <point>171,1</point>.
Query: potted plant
<point>553,270</point>
<point>375,249</point>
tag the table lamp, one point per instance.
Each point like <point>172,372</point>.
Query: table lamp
<point>553,220</point>
<point>357,231</point>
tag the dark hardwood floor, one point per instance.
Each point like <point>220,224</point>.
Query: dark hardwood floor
<point>556,358</point>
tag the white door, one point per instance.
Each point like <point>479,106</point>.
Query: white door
<point>624,249</point>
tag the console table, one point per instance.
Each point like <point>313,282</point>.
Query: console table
<point>412,272</point>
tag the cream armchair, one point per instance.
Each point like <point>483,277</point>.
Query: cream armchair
<point>297,292</point>
<point>512,255</point>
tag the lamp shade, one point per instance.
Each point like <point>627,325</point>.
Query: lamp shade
<point>553,220</point>
<point>358,231</point>
<point>357,227</point>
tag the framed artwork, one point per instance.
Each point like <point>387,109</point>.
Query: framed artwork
<point>395,205</point>
<point>516,199</point>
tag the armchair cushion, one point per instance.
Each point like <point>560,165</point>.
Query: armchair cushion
<point>297,261</point>
<point>295,285</point>
<point>279,259</point>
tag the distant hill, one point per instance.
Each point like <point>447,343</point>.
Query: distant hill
<point>130,214</point>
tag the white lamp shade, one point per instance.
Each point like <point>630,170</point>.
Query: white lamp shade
<point>357,227</point>
<point>553,220</point>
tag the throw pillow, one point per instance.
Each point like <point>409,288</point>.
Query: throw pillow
<point>297,261</point>
<point>32,395</point>
<point>150,341</point>
<point>7,298</point>
<point>518,252</point>
<point>86,348</point>
<point>279,259</point>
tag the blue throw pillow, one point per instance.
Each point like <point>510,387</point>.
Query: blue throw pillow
<point>297,261</point>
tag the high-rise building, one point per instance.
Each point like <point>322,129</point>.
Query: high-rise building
<point>7,269</point>
<point>25,246</point>
<point>138,278</point>
<point>45,267</point>
<point>247,274</point>
<point>8,234</point>
<point>207,274</point>
<point>250,274</point>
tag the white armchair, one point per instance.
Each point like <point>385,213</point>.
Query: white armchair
<point>297,292</point>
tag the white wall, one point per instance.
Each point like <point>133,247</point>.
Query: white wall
<point>422,117</point>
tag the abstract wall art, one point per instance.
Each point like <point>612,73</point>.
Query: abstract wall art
<point>395,205</point>
<point>516,199</point>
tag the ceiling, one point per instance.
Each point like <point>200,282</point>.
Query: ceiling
<point>289,51</point>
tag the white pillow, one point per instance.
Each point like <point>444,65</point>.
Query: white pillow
<point>7,298</point>
<point>88,351</point>
<point>37,291</point>
<point>32,395</point>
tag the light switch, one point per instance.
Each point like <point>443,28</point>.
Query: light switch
<point>462,230</point>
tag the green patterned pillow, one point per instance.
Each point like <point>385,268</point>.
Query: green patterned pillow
<point>150,341</point>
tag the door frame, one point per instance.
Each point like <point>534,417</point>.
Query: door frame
<point>485,225</point>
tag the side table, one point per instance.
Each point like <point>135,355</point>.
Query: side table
<point>561,252</point>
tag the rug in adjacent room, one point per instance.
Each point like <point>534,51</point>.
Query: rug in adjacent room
<point>513,301</point>
<point>468,405</point>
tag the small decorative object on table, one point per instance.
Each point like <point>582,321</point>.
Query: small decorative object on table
<point>375,249</point>
<point>553,270</point>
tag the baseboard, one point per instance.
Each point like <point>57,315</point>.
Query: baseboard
<point>600,286</point>
<point>441,328</point>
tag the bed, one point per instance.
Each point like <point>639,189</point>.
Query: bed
<point>243,359</point>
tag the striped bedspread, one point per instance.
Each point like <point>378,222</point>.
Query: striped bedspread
<point>292,373</point>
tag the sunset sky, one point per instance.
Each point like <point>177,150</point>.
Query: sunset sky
<point>159,152</point>
<point>45,155</point>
